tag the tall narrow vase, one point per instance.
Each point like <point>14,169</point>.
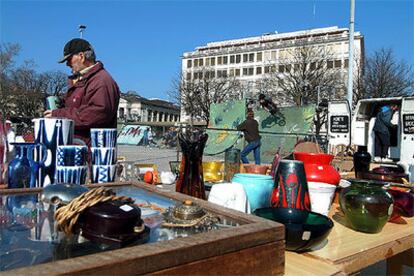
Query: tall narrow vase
<point>190,181</point>
<point>23,170</point>
<point>51,132</point>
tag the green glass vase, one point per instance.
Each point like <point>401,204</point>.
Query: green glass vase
<point>366,205</point>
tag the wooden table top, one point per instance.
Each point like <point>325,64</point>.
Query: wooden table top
<point>349,251</point>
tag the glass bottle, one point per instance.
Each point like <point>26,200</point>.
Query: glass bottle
<point>231,163</point>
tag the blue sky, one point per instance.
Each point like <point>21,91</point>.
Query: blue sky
<point>141,42</point>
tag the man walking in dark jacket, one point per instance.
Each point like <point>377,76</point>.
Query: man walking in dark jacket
<point>93,96</point>
<point>382,128</point>
<point>250,128</point>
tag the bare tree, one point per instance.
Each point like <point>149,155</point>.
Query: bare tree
<point>55,82</point>
<point>303,74</point>
<point>305,71</point>
<point>197,94</point>
<point>387,77</point>
<point>22,88</point>
<point>8,52</point>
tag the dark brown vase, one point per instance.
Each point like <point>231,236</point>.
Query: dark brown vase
<point>190,181</point>
<point>362,159</point>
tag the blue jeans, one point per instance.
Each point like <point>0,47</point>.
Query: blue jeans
<point>255,146</point>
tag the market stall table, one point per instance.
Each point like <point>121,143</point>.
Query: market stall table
<point>239,244</point>
<point>348,251</point>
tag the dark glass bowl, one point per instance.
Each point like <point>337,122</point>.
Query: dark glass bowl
<point>304,229</point>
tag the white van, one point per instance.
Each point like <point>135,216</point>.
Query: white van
<point>357,130</point>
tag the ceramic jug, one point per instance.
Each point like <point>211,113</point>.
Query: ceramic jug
<point>52,132</point>
<point>23,170</point>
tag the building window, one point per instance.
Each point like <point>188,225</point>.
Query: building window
<point>296,67</point>
<point>207,61</point>
<point>213,61</point>
<point>338,63</point>
<point>281,68</point>
<point>231,72</point>
<point>258,70</point>
<point>330,64</point>
<point>195,62</point>
<point>288,68</point>
<point>267,56</point>
<point>188,76</point>
<point>225,60</point>
<point>244,71</point>
<point>219,60</point>
<point>245,57</point>
<point>251,71</point>
<point>238,58</point>
<point>232,59</point>
<point>267,69</point>
<point>189,63</point>
<point>221,73</point>
<point>259,56</point>
<point>251,57</point>
<point>273,55</point>
<point>237,72</point>
<point>200,62</point>
<point>346,63</point>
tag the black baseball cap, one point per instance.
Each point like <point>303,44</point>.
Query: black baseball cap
<point>73,47</point>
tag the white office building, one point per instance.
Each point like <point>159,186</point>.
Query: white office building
<point>250,59</point>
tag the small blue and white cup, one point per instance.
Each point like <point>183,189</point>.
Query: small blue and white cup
<point>103,137</point>
<point>71,155</point>
<point>103,156</point>
<point>71,174</point>
<point>103,173</point>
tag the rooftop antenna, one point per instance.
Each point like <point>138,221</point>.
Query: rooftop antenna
<point>81,30</point>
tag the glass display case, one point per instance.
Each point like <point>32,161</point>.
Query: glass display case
<point>30,242</point>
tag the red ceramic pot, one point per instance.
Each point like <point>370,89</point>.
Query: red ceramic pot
<point>256,169</point>
<point>318,167</point>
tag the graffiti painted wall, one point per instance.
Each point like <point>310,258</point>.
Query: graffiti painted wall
<point>283,130</point>
<point>131,134</point>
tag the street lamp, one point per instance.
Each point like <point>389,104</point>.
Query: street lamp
<point>81,29</point>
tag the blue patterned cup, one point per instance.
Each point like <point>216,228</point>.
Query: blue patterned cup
<point>103,173</point>
<point>71,174</point>
<point>103,156</point>
<point>71,155</point>
<point>103,137</point>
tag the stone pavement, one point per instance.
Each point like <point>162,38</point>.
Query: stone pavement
<point>153,155</point>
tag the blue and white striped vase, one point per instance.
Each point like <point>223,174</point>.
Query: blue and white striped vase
<point>51,132</point>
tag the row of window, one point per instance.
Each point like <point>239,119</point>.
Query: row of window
<point>250,71</point>
<point>223,60</point>
<point>336,48</point>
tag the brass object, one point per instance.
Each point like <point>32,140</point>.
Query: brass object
<point>188,214</point>
<point>188,211</point>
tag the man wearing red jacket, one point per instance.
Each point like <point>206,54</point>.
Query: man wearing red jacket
<point>93,96</point>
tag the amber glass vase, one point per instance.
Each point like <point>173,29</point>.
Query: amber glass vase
<point>190,180</point>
